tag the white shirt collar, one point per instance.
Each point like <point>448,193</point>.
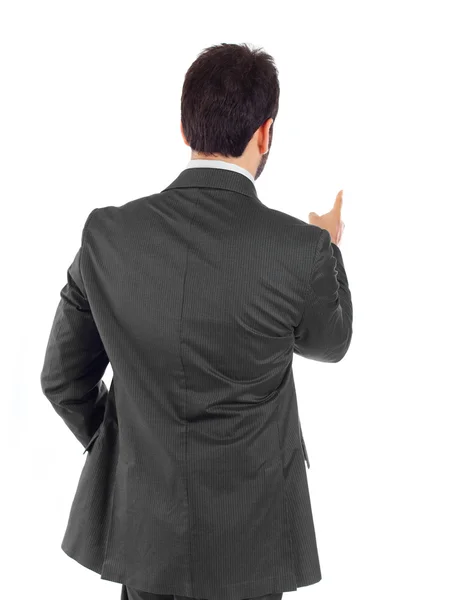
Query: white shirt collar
<point>219,164</point>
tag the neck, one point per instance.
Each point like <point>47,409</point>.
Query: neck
<point>241,161</point>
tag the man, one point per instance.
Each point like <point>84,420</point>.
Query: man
<point>195,479</point>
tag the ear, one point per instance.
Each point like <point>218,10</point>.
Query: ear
<point>267,133</point>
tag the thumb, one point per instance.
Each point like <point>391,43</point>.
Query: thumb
<point>313,215</point>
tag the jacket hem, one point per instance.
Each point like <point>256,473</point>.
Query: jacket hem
<point>253,588</point>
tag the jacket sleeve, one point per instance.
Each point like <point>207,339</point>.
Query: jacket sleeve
<point>75,359</point>
<point>324,332</point>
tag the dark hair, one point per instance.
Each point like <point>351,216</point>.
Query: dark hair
<point>228,92</point>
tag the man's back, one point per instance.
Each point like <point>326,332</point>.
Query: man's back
<point>200,295</point>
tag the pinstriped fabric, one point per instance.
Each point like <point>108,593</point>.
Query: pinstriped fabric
<point>131,594</point>
<point>195,481</point>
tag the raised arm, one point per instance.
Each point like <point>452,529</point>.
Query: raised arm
<point>325,329</point>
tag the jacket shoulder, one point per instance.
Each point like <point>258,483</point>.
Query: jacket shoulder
<point>110,214</point>
<point>299,232</point>
<point>280,216</point>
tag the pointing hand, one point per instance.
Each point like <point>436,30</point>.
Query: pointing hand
<point>331,221</point>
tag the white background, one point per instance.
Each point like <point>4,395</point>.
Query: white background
<point>90,110</point>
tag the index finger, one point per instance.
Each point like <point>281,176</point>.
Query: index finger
<point>338,202</point>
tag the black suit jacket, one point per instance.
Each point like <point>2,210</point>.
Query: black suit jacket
<point>194,481</point>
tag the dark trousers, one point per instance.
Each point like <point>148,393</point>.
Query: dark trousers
<point>129,593</point>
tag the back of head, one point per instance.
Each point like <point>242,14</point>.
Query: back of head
<point>229,91</point>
